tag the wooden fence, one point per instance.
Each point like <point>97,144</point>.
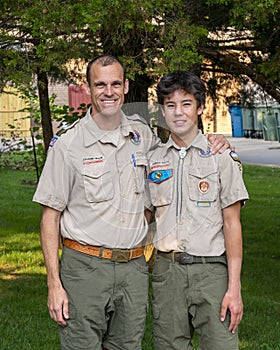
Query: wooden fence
<point>10,104</point>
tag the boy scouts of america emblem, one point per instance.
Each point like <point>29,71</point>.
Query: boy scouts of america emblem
<point>206,153</point>
<point>135,137</point>
<point>203,186</point>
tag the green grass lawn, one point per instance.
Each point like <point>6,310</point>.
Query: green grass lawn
<point>24,318</point>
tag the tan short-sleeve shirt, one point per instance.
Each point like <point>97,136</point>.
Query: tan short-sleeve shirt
<point>98,183</point>
<point>189,195</point>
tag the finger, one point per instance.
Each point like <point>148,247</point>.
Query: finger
<point>224,148</point>
<point>223,313</point>
<point>65,310</point>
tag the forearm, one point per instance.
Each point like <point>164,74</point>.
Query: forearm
<point>233,243</point>
<point>50,243</point>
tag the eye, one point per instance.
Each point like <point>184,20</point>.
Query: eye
<point>100,85</point>
<point>117,84</point>
<point>169,105</point>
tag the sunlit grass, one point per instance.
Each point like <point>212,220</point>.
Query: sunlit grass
<point>24,319</point>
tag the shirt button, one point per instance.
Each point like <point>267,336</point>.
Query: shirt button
<point>181,222</point>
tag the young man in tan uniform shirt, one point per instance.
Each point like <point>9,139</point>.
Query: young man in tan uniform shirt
<point>197,197</point>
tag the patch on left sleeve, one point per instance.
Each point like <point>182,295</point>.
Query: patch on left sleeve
<point>235,157</point>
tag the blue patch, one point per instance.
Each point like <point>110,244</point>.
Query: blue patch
<point>135,137</point>
<point>159,176</point>
<point>234,156</point>
<point>206,153</point>
<point>53,141</point>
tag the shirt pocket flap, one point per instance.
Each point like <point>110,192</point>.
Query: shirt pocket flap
<point>203,184</point>
<point>98,184</point>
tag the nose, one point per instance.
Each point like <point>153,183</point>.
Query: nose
<point>178,110</point>
<point>108,91</point>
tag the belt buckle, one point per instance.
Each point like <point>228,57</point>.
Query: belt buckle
<point>185,258</point>
<point>120,255</point>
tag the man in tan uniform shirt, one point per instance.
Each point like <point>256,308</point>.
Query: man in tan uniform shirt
<point>197,197</point>
<point>92,192</point>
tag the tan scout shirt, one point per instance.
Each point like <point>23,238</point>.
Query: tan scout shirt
<point>189,194</point>
<point>98,184</point>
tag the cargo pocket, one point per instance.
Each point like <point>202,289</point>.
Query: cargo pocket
<point>98,184</point>
<point>161,193</point>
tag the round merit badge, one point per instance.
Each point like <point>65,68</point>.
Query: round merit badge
<point>203,186</point>
<point>135,137</point>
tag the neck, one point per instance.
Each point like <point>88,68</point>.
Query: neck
<point>107,122</point>
<point>185,140</point>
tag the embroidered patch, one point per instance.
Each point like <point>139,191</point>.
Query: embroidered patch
<point>93,160</point>
<point>234,156</point>
<point>135,137</point>
<point>205,154</point>
<point>203,186</point>
<point>159,176</point>
<point>201,204</point>
<point>53,141</point>
<point>160,164</point>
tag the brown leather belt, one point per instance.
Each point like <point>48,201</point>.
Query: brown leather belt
<point>116,255</point>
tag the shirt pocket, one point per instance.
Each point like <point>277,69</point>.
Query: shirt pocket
<point>161,193</point>
<point>139,173</point>
<point>203,184</point>
<point>98,184</point>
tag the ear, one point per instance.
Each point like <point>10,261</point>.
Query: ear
<point>200,109</point>
<point>126,86</point>
<point>87,88</point>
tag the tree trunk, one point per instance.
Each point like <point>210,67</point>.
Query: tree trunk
<point>42,83</point>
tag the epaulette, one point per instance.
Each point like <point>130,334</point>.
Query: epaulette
<point>138,118</point>
<point>64,129</point>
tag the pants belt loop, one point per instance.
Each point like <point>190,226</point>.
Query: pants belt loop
<point>100,252</point>
<point>203,260</point>
<point>173,257</point>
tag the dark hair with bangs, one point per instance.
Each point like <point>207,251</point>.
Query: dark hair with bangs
<point>186,81</point>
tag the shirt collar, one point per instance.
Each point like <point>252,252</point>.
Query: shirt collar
<point>93,134</point>
<point>199,142</point>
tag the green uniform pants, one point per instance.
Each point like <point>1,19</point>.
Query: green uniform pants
<point>188,298</point>
<point>107,302</point>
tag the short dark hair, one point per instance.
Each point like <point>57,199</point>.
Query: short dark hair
<point>181,80</point>
<point>104,60</point>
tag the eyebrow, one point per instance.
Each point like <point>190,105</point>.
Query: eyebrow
<point>186,100</point>
<point>100,82</point>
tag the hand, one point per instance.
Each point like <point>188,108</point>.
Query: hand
<point>233,303</point>
<point>58,305</point>
<point>219,143</point>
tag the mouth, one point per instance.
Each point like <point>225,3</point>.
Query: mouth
<point>180,122</point>
<point>110,103</point>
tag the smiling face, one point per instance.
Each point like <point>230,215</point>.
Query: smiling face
<point>181,115</point>
<point>108,88</point>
